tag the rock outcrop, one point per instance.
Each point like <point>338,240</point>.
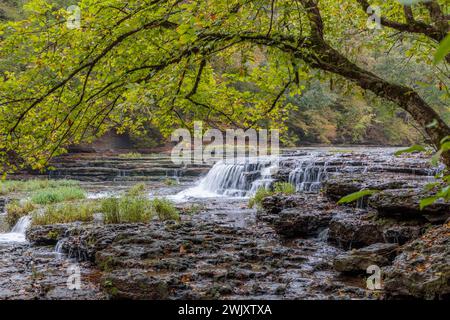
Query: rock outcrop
<point>358,260</point>
<point>422,269</point>
<point>404,204</point>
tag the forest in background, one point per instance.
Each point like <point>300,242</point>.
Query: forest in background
<point>331,110</point>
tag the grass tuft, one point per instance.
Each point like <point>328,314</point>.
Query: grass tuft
<point>67,212</point>
<point>16,210</point>
<point>54,195</point>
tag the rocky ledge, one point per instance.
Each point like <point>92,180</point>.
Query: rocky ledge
<point>389,230</point>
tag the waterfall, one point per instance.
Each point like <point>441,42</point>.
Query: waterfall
<point>307,176</point>
<point>238,179</point>
<point>17,233</point>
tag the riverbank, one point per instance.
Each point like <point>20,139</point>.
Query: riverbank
<point>299,246</point>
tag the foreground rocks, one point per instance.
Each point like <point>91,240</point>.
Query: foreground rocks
<point>359,260</point>
<point>404,204</point>
<point>387,230</point>
<point>422,270</point>
<point>38,273</point>
<point>197,260</point>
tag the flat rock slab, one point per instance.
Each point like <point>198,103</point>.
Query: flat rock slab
<point>379,254</point>
<point>404,204</point>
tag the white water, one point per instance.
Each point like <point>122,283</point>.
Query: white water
<point>17,233</point>
<point>235,179</point>
<point>305,170</point>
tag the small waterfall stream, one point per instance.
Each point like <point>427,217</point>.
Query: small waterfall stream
<point>17,233</point>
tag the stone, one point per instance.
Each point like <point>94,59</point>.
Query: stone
<point>358,260</point>
<point>46,235</point>
<point>422,269</point>
<point>296,222</point>
<point>354,228</point>
<point>404,204</point>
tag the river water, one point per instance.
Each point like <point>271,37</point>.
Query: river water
<point>223,190</point>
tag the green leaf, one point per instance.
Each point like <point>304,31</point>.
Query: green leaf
<point>427,201</point>
<point>442,50</point>
<point>414,148</point>
<point>356,195</point>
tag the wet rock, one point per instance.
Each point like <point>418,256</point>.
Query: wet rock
<point>296,215</point>
<point>402,234</point>
<point>422,270</point>
<point>358,260</point>
<point>297,223</point>
<point>46,235</point>
<point>38,273</point>
<point>135,284</point>
<point>340,185</point>
<point>353,228</point>
<point>404,204</point>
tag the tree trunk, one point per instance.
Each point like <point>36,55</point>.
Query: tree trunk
<point>331,60</point>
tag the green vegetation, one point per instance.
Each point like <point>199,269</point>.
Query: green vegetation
<point>165,209</point>
<point>9,186</point>
<point>130,155</point>
<point>54,195</point>
<point>170,182</point>
<point>212,60</point>
<point>134,206</point>
<point>356,195</point>
<point>66,212</point>
<point>16,210</point>
<point>126,209</point>
<point>284,188</point>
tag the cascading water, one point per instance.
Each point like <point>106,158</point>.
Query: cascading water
<point>238,179</point>
<point>17,233</point>
<point>306,170</point>
<point>307,176</point>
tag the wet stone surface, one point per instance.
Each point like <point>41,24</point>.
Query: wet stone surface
<point>37,273</point>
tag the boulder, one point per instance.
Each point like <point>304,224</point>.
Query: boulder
<point>422,270</point>
<point>357,260</point>
<point>340,185</point>
<point>46,235</point>
<point>354,228</point>
<point>404,204</point>
<point>296,222</point>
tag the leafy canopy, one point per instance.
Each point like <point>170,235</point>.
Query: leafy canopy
<point>164,62</point>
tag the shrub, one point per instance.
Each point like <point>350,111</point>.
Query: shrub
<point>16,210</point>
<point>136,190</point>
<point>65,213</point>
<point>165,209</point>
<point>126,209</point>
<point>257,199</point>
<point>54,195</point>
<point>284,188</point>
